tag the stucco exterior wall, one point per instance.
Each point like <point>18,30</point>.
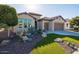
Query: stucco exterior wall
<point>36,16</point>
<point>67,25</point>
<point>25,16</point>
<point>51,26</point>
<point>40,25</point>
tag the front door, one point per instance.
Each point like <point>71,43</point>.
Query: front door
<point>46,26</point>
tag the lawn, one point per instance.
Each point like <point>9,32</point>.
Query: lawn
<point>47,44</point>
<point>49,49</point>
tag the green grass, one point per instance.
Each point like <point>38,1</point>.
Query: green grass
<point>50,39</point>
<point>47,44</point>
<point>70,39</point>
<point>53,48</point>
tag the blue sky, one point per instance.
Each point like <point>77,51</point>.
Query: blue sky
<point>66,10</point>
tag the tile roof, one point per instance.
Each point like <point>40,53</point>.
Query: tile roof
<point>35,14</point>
<point>50,19</point>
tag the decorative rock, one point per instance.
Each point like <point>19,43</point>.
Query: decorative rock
<point>58,39</point>
<point>76,52</point>
<point>67,43</point>
<point>25,38</point>
<point>78,49</point>
<point>44,34</point>
<point>75,47</point>
<point>4,42</point>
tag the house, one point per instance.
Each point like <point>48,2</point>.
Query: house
<point>27,21</point>
<point>33,21</point>
<point>56,23</point>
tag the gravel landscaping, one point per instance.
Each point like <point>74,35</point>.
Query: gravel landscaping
<point>15,47</point>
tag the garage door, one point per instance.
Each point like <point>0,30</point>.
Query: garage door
<point>58,26</point>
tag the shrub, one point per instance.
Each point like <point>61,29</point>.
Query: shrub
<point>39,31</point>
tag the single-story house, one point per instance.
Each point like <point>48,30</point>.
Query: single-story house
<point>34,21</point>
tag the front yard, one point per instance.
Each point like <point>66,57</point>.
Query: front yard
<point>49,49</point>
<point>48,46</point>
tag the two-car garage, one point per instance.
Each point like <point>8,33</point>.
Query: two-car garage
<point>58,26</point>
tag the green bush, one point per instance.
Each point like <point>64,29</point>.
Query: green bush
<point>76,29</point>
<point>39,31</point>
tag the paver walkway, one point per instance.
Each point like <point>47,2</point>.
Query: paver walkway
<point>20,47</point>
<point>67,48</point>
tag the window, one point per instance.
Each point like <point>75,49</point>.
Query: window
<point>28,23</point>
<point>25,25</point>
<point>20,25</point>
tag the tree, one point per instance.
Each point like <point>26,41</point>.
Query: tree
<point>75,22</point>
<point>8,16</point>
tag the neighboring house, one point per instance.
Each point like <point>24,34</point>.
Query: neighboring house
<point>67,24</point>
<point>51,24</point>
<point>27,21</point>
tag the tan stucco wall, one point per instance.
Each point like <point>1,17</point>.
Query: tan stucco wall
<point>36,16</point>
<point>51,26</point>
<point>40,25</point>
<point>67,27</point>
<point>59,20</point>
<point>25,16</point>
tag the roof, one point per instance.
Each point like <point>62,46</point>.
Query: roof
<point>27,14</point>
<point>22,13</point>
<point>45,18</point>
<point>51,19</point>
<point>56,17</point>
<point>35,14</point>
<point>67,20</point>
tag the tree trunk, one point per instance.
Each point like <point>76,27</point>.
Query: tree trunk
<point>9,29</point>
<point>8,32</point>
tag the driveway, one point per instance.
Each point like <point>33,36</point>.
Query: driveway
<point>65,33</point>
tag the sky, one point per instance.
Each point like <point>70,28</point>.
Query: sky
<point>50,10</point>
